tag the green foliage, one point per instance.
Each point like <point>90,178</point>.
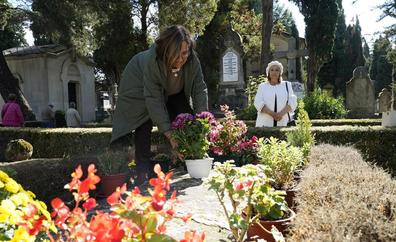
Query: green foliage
<point>249,191</point>
<point>64,22</point>
<point>302,136</point>
<point>11,30</point>
<point>18,149</point>
<point>389,10</point>
<point>113,162</point>
<point>381,66</point>
<point>115,38</point>
<point>320,105</point>
<point>252,86</point>
<point>194,15</point>
<point>319,36</point>
<point>281,159</point>
<point>248,113</point>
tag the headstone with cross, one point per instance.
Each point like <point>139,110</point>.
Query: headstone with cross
<point>291,54</point>
<point>232,83</point>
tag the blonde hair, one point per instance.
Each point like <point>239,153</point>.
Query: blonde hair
<point>169,45</point>
<point>271,64</point>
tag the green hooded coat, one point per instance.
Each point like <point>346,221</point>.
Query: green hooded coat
<point>142,94</point>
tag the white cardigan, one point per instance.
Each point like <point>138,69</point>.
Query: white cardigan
<point>266,97</point>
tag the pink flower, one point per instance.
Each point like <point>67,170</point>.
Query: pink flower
<point>181,120</point>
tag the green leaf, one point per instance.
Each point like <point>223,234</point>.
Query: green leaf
<point>161,238</point>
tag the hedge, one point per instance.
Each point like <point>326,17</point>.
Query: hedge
<point>334,122</point>
<point>343,198</point>
<point>376,143</point>
<point>62,142</point>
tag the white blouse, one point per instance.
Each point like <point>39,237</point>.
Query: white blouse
<point>266,97</point>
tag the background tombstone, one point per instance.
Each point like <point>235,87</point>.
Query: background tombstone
<point>292,54</point>
<point>360,98</point>
<point>232,85</point>
<point>384,100</point>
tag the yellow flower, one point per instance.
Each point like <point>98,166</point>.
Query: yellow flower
<point>20,198</point>
<point>12,186</point>
<point>1,184</point>
<point>21,235</point>
<point>31,194</point>
<point>3,175</point>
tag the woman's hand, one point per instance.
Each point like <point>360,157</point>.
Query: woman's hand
<point>174,144</point>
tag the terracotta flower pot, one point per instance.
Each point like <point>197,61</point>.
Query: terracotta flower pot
<point>290,195</point>
<point>109,183</point>
<point>256,232</point>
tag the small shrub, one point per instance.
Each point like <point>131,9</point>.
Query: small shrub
<point>18,149</point>
<point>320,105</point>
<point>281,158</point>
<point>252,86</point>
<point>114,162</point>
<point>248,113</point>
<point>302,136</point>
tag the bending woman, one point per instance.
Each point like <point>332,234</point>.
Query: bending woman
<point>156,86</point>
<point>275,101</point>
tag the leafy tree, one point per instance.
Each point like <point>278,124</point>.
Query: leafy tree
<point>194,15</point>
<point>389,9</point>
<point>65,22</point>
<point>10,20</point>
<point>354,48</point>
<point>319,36</point>
<point>381,67</point>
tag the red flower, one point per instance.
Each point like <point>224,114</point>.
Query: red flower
<point>89,204</point>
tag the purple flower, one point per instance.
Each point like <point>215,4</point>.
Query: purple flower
<point>206,115</point>
<point>181,120</point>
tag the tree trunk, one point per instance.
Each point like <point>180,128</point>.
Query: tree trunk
<point>312,69</point>
<point>266,31</point>
<point>143,19</point>
<point>9,84</point>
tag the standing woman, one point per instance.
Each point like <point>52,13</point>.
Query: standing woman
<point>275,101</point>
<point>11,113</point>
<point>156,86</point>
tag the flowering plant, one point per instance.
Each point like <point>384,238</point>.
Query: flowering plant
<point>21,215</point>
<point>229,138</point>
<point>132,217</point>
<point>191,134</point>
<point>249,190</point>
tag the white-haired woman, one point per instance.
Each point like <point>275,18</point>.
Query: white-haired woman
<point>275,101</point>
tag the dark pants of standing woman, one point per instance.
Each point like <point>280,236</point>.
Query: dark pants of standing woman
<point>176,104</point>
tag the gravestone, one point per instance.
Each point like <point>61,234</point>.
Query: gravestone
<point>232,84</point>
<point>384,100</point>
<point>360,98</point>
<point>389,117</point>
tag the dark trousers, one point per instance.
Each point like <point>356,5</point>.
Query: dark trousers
<point>176,105</point>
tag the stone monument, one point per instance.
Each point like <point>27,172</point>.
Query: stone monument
<point>384,100</point>
<point>232,84</point>
<point>360,99</point>
<point>389,117</point>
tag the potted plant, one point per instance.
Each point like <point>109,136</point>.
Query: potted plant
<point>255,204</point>
<point>113,168</point>
<point>164,160</point>
<point>228,140</point>
<point>191,134</point>
<point>282,160</point>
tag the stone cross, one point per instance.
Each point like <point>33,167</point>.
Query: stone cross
<point>291,54</point>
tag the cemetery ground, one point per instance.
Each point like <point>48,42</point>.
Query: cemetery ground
<point>341,197</point>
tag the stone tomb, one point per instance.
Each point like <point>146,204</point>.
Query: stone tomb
<point>360,99</point>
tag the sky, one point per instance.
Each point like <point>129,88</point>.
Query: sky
<point>364,9</point>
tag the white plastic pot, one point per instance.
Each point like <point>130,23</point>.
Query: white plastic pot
<point>199,168</point>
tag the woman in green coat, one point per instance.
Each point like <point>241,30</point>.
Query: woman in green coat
<point>156,86</point>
